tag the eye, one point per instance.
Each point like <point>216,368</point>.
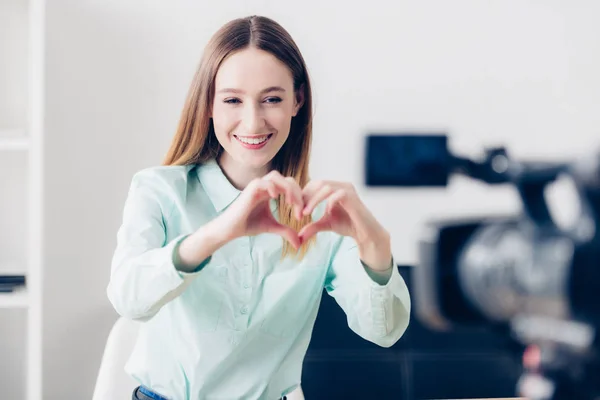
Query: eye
<point>273,100</point>
<point>232,101</point>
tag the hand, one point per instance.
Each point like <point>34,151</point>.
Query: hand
<point>251,214</point>
<point>346,215</point>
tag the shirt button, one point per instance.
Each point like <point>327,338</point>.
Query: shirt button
<point>246,286</point>
<point>244,310</point>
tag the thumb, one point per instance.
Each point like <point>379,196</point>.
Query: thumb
<point>313,228</point>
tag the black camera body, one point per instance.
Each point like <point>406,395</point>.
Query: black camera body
<point>522,274</point>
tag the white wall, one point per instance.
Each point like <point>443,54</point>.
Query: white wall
<point>518,72</point>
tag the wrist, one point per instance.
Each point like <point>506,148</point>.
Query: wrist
<point>376,252</point>
<point>200,245</point>
<point>218,229</point>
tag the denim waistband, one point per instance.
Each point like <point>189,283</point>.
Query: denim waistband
<point>150,394</point>
<point>147,392</point>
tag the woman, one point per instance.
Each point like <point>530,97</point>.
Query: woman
<point>228,305</point>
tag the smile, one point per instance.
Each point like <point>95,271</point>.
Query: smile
<point>254,142</point>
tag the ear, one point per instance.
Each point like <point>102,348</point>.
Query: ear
<point>299,95</point>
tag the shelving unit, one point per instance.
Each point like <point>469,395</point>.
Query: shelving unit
<point>17,299</point>
<point>20,144</point>
<point>22,44</point>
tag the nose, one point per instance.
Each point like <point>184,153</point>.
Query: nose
<point>253,119</point>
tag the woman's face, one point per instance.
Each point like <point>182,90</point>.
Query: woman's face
<point>253,106</point>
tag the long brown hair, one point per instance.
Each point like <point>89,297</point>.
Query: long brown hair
<point>195,141</point>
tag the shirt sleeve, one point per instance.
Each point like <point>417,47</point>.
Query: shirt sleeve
<point>144,275</point>
<point>377,305</point>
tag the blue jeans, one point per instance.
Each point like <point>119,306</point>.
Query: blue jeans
<point>143,393</point>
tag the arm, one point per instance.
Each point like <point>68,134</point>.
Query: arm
<point>362,275</point>
<point>146,271</point>
<point>376,301</point>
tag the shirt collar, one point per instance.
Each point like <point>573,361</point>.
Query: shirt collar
<point>218,188</point>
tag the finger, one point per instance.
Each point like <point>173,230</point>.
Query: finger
<point>312,187</point>
<point>337,197</point>
<point>324,192</point>
<point>293,193</point>
<point>272,189</point>
<point>289,185</point>
<point>262,187</point>
<point>313,228</point>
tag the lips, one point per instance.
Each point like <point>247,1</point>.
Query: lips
<point>253,142</point>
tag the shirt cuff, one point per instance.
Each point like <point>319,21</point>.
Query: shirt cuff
<point>380,277</point>
<point>184,272</point>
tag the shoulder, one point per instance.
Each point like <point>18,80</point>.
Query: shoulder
<point>161,184</point>
<point>162,176</point>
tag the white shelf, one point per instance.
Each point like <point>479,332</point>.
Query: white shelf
<point>16,299</point>
<point>6,133</point>
<point>22,123</point>
<point>13,144</point>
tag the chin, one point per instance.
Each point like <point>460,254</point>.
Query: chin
<point>257,162</point>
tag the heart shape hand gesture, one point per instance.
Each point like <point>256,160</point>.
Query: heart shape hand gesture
<point>344,214</point>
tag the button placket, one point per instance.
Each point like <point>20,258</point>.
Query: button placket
<point>241,318</point>
<point>247,280</point>
<point>244,270</point>
<point>247,272</point>
<point>236,337</point>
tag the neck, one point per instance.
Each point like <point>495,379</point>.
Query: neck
<point>239,174</point>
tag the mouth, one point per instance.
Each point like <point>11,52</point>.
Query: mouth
<point>253,142</point>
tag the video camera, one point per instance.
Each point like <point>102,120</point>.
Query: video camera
<point>523,275</point>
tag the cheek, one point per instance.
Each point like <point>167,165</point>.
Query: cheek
<point>223,121</point>
<point>279,118</point>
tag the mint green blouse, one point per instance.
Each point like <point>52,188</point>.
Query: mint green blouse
<point>240,326</point>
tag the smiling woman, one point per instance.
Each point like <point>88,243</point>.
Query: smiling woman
<point>228,305</point>
<point>254,105</point>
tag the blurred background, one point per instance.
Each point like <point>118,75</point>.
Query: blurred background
<point>91,91</point>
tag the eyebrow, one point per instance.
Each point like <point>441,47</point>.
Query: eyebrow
<point>267,90</point>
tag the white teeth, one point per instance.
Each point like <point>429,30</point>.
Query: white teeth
<point>252,141</point>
